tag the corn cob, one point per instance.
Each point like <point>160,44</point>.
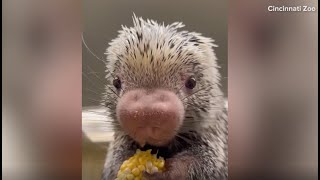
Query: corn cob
<point>133,168</point>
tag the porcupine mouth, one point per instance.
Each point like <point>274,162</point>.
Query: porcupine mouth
<point>154,136</point>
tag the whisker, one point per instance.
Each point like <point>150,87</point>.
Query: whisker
<point>94,84</point>
<point>180,89</point>
<point>85,44</point>
<point>178,143</point>
<point>208,109</point>
<point>91,52</point>
<point>194,93</point>
<point>93,100</point>
<point>185,139</point>
<point>188,103</point>
<point>116,125</point>
<point>94,72</point>
<point>209,86</point>
<point>112,91</point>
<point>96,112</point>
<point>100,80</point>
<point>90,90</point>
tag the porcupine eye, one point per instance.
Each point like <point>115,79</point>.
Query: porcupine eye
<point>191,83</point>
<point>117,83</point>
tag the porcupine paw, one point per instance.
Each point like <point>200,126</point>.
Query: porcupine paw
<point>175,169</point>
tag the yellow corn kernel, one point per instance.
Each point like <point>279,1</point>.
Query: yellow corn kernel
<point>141,167</point>
<point>141,161</point>
<point>135,171</point>
<point>130,176</point>
<point>154,170</point>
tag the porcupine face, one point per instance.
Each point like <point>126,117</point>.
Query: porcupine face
<point>160,81</point>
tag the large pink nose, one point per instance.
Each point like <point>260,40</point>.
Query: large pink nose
<point>150,116</point>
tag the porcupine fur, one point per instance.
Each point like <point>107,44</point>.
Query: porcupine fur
<point>153,55</point>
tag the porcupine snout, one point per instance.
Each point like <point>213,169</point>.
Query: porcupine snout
<point>150,116</point>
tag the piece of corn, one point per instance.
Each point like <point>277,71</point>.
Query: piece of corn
<point>141,161</point>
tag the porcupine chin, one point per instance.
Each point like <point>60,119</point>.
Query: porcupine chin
<point>163,93</point>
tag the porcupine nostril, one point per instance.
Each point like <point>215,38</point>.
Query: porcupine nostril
<point>137,95</point>
<point>162,98</point>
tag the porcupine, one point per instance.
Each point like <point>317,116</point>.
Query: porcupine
<point>163,93</point>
